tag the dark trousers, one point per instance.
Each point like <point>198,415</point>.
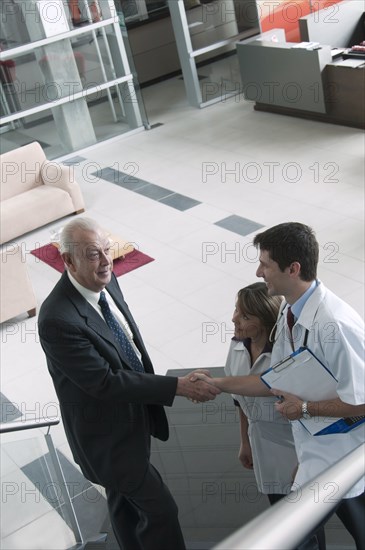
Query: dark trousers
<point>351,512</point>
<point>316,540</point>
<point>147,518</point>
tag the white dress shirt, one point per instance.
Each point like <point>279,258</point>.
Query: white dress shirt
<point>93,298</point>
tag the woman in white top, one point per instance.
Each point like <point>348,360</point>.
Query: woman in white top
<point>267,444</point>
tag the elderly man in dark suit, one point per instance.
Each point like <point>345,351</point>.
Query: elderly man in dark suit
<point>110,399</point>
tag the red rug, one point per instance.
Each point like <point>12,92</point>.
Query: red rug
<point>51,256</point>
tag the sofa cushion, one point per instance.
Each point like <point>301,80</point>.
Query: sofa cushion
<point>33,209</point>
<point>21,170</point>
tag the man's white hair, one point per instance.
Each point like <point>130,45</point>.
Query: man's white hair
<point>67,239</point>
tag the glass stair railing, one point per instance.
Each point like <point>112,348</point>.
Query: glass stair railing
<point>46,503</point>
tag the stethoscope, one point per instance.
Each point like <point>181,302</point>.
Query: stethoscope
<point>274,335</point>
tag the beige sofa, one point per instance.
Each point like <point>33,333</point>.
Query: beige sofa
<point>34,191</point>
<point>16,291</point>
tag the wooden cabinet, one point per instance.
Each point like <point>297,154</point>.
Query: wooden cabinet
<point>345,94</point>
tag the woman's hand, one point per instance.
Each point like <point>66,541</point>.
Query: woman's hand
<point>245,455</point>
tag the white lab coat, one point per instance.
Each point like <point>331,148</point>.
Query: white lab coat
<point>270,435</point>
<point>336,337</point>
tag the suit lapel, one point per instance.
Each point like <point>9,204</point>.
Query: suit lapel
<point>93,320</point>
<point>96,323</point>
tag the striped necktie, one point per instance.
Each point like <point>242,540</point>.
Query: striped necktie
<point>119,334</point>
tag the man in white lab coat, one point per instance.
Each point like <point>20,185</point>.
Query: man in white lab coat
<point>312,316</point>
<point>334,332</point>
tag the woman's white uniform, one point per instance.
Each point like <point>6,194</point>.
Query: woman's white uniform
<point>336,337</point>
<point>273,451</point>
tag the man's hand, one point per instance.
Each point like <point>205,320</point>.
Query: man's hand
<point>204,375</point>
<point>194,388</point>
<point>289,405</point>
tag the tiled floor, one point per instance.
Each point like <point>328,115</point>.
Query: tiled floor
<point>195,190</point>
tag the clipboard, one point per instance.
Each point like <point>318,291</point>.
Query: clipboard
<point>303,374</point>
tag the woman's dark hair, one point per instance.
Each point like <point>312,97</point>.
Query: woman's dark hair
<point>255,300</point>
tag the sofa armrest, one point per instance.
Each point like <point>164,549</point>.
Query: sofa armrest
<point>16,290</point>
<point>58,175</point>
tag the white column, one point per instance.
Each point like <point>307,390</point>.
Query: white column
<point>60,73</point>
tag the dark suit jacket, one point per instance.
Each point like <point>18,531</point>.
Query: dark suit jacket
<point>108,410</point>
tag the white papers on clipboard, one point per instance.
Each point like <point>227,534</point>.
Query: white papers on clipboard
<point>302,374</point>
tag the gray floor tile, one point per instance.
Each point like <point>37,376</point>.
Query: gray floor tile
<point>120,178</point>
<point>153,191</point>
<point>236,224</point>
<point>180,202</point>
<point>131,183</point>
<point>73,161</point>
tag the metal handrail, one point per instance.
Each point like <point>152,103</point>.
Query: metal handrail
<point>66,99</point>
<point>287,523</point>
<point>29,48</point>
<point>20,425</point>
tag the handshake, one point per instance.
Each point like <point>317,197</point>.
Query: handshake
<point>198,386</point>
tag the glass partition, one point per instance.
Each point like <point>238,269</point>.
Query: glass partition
<point>212,21</point>
<point>142,10</point>
<point>218,79</point>
<point>55,81</point>
<point>206,32</point>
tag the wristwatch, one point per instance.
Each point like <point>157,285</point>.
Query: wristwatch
<point>305,412</point>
